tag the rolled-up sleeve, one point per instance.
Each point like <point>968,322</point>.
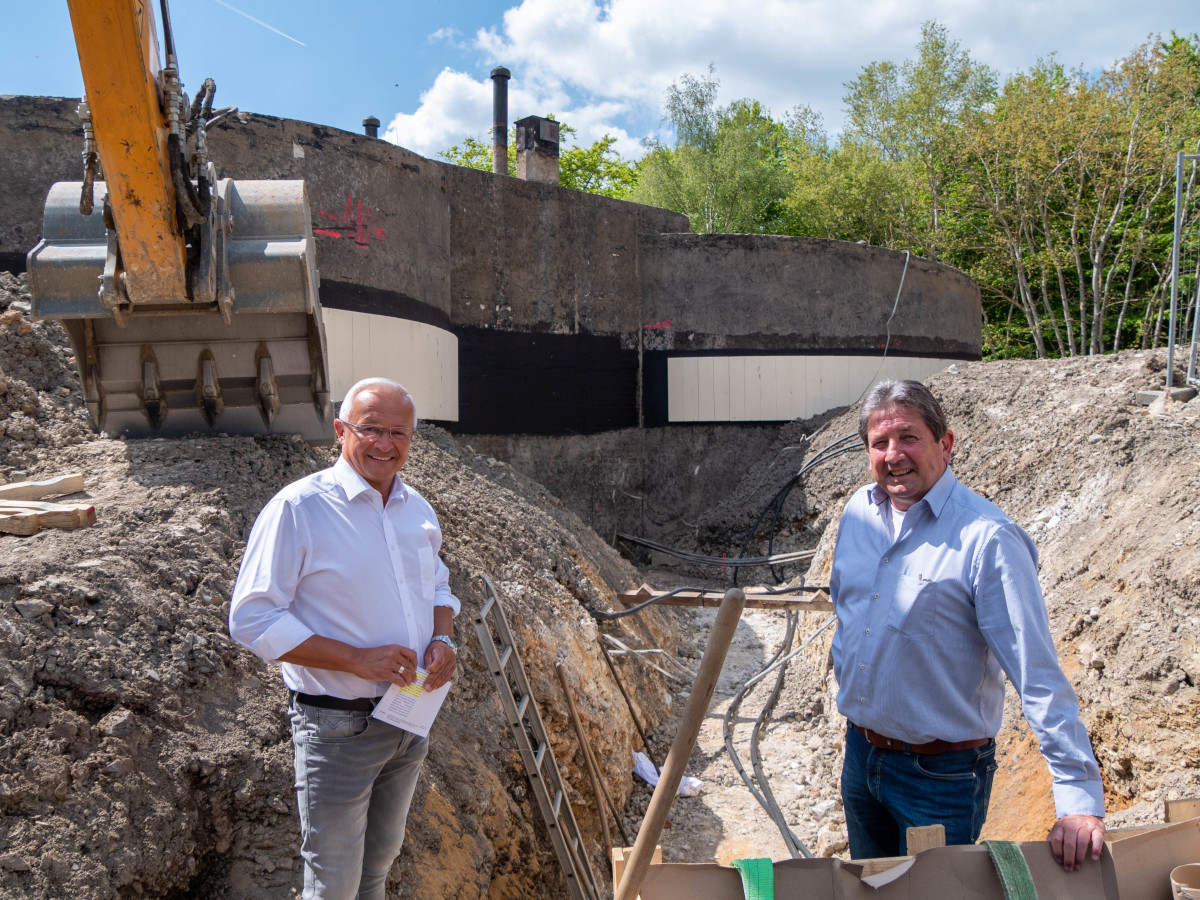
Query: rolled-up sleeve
<point>260,616</point>
<point>442,595</point>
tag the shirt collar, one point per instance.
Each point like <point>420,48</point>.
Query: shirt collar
<point>354,484</point>
<point>935,497</point>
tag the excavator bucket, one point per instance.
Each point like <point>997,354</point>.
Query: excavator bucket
<point>250,359</point>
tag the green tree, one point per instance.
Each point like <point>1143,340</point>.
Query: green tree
<point>846,192</point>
<point>912,115</point>
<point>475,153</point>
<point>597,169</point>
<point>726,170</point>
<point>1073,176</point>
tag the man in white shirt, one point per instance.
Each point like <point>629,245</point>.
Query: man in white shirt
<point>342,584</point>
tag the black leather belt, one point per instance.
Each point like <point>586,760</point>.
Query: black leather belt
<point>875,739</point>
<point>324,701</point>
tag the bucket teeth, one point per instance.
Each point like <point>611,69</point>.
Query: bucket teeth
<point>265,387</point>
<point>154,402</point>
<point>208,389</point>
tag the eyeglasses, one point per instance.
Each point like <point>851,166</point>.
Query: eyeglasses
<point>375,432</point>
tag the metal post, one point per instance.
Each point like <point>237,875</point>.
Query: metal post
<point>1175,266</point>
<point>726,624</point>
<point>500,76</point>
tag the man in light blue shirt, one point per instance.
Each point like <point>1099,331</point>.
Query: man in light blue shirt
<point>937,598</point>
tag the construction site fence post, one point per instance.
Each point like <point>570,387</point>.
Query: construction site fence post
<point>728,616</point>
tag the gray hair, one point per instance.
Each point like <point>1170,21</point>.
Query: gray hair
<point>368,384</point>
<point>910,394</point>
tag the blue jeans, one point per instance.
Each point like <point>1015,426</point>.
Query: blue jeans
<point>885,792</point>
<point>355,778</point>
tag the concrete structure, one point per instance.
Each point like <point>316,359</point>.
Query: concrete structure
<point>537,150</point>
<point>513,306</point>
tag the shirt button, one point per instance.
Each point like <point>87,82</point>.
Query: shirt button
<point>885,559</point>
<point>876,596</point>
<point>862,667</point>
<point>868,631</point>
<point>862,699</point>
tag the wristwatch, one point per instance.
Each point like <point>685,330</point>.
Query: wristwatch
<point>447,640</point>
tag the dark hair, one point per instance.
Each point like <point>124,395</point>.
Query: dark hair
<point>911,394</point>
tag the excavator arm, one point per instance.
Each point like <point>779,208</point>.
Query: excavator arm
<point>191,303</point>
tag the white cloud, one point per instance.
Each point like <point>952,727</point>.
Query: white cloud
<point>448,35</point>
<point>603,67</point>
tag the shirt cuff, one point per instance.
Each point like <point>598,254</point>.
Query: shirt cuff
<point>1080,798</point>
<point>286,634</point>
<point>449,601</point>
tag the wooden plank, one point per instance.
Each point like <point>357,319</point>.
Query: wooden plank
<point>22,524</point>
<point>875,866</point>
<point>36,490</point>
<point>1181,810</point>
<point>25,517</point>
<point>817,602</point>
<point>620,856</point>
<point>924,837</point>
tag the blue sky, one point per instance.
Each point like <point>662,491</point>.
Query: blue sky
<point>422,68</point>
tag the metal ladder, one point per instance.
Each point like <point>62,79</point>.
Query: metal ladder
<point>525,720</point>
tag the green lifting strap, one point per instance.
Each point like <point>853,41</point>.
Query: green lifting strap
<point>758,878</point>
<point>1013,870</point>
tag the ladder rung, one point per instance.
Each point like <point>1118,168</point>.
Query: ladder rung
<point>484,611</point>
<point>558,799</point>
<point>521,707</point>
<point>504,656</point>
<point>537,760</point>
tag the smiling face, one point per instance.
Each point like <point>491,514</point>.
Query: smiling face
<point>905,458</point>
<point>377,460</point>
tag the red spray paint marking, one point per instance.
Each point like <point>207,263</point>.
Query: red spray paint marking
<point>664,325</point>
<point>356,219</point>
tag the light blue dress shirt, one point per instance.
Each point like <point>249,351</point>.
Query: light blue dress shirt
<point>929,621</point>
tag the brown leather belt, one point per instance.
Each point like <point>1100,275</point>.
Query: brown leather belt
<point>324,701</point>
<point>875,739</point>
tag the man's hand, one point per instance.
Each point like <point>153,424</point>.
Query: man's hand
<point>1072,837</point>
<point>388,663</point>
<point>440,662</point>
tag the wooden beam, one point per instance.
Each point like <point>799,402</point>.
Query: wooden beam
<point>26,517</point>
<point>755,599</point>
<point>36,490</point>
<point>620,856</point>
<point>1181,810</point>
<point>923,837</point>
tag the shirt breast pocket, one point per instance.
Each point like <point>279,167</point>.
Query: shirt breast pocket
<point>914,606</point>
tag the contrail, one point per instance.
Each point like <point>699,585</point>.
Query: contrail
<point>259,22</point>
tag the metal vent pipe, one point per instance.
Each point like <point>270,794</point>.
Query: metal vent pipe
<point>500,76</point>
<point>371,126</point>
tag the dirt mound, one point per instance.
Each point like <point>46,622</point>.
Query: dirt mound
<point>143,753</point>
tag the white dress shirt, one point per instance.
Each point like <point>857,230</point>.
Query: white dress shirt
<point>327,557</point>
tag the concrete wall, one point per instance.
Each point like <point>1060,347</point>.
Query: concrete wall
<point>531,308</point>
<point>769,293</point>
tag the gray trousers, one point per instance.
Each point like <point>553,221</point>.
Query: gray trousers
<point>355,778</point>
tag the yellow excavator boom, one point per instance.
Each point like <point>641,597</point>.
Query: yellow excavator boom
<point>191,303</point>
